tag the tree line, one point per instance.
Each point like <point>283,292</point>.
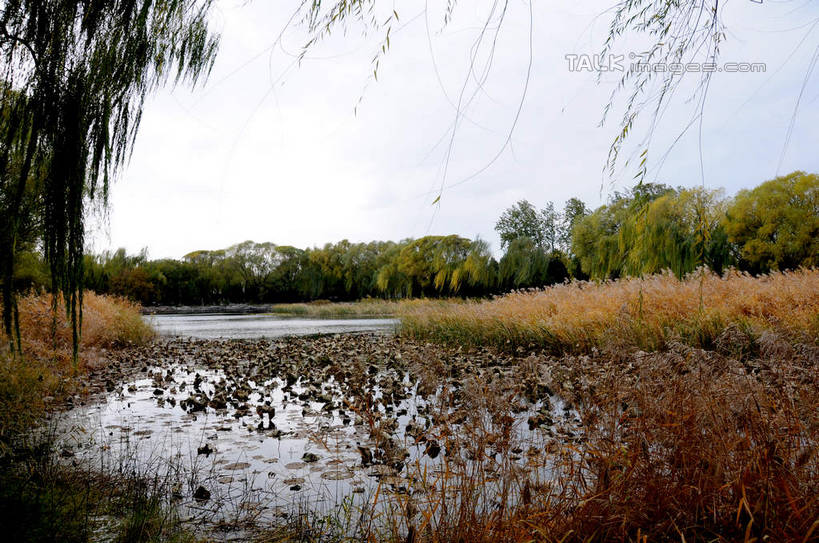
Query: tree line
<point>644,230</point>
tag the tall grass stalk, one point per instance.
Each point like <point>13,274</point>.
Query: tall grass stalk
<point>45,372</point>
<point>646,313</point>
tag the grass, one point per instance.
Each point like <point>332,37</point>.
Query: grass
<point>108,322</point>
<point>647,313</point>
<point>46,373</point>
<point>711,435</point>
<point>369,307</point>
<point>683,444</point>
<point>40,498</point>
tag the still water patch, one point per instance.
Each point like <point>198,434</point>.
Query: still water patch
<point>260,326</point>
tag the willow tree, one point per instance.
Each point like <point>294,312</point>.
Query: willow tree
<point>75,75</point>
<point>602,240</point>
<point>679,231</point>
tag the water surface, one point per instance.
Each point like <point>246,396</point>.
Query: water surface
<point>261,325</point>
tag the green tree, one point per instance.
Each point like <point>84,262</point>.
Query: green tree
<point>255,264</point>
<point>574,210</point>
<point>479,269</point>
<point>522,220</point>
<point>390,280</point>
<point>678,231</point>
<point>289,282</point>
<point>526,265</point>
<point>361,263</point>
<point>214,278</point>
<point>74,79</point>
<point>775,226</point>
<point>603,239</point>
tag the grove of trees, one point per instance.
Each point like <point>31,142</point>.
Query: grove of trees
<point>647,229</point>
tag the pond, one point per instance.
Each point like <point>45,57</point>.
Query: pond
<point>253,326</point>
<point>261,428</point>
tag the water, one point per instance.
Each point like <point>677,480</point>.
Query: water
<point>246,458</point>
<point>279,425</point>
<point>239,459</point>
<point>261,326</point>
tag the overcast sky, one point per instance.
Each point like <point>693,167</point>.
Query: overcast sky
<point>302,155</point>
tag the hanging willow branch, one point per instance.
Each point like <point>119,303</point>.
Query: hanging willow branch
<point>678,32</point>
<point>74,75</point>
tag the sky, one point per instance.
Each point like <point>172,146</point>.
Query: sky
<point>311,152</point>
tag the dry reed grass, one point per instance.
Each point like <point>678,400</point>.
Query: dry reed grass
<point>46,370</point>
<point>645,313</point>
<point>685,445</point>
<point>107,322</point>
<point>368,307</point>
<point>713,435</point>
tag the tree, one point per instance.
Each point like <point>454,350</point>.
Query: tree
<point>775,226</point>
<point>603,239</point>
<point>478,270</point>
<point>574,210</point>
<point>526,265</point>
<point>522,220</point>
<point>74,79</point>
<point>551,227</point>
<point>390,279</point>
<point>678,231</point>
<point>255,264</point>
<point>288,281</point>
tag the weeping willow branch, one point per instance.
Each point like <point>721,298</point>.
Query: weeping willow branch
<point>74,77</point>
<point>678,32</point>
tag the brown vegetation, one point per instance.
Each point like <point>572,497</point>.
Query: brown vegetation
<point>712,435</point>
<point>647,313</point>
<point>45,372</point>
<point>692,413</point>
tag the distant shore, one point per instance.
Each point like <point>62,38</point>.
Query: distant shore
<point>368,307</point>
<point>231,309</point>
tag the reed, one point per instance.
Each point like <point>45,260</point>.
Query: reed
<point>46,372</point>
<point>368,307</point>
<point>645,313</point>
<point>107,322</point>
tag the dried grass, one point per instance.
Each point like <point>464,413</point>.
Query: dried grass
<point>107,322</point>
<point>367,307</point>
<point>644,313</point>
<point>683,445</point>
<point>711,435</point>
<point>46,372</point>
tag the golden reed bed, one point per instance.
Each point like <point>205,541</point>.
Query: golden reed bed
<point>645,313</point>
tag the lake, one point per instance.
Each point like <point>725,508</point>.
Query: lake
<point>245,429</point>
<point>261,325</point>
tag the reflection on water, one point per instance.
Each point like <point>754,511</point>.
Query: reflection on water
<point>265,451</point>
<point>261,326</point>
<point>266,428</point>
<point>286,442</point>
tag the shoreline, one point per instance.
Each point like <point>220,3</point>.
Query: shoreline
<point>231,309</point>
